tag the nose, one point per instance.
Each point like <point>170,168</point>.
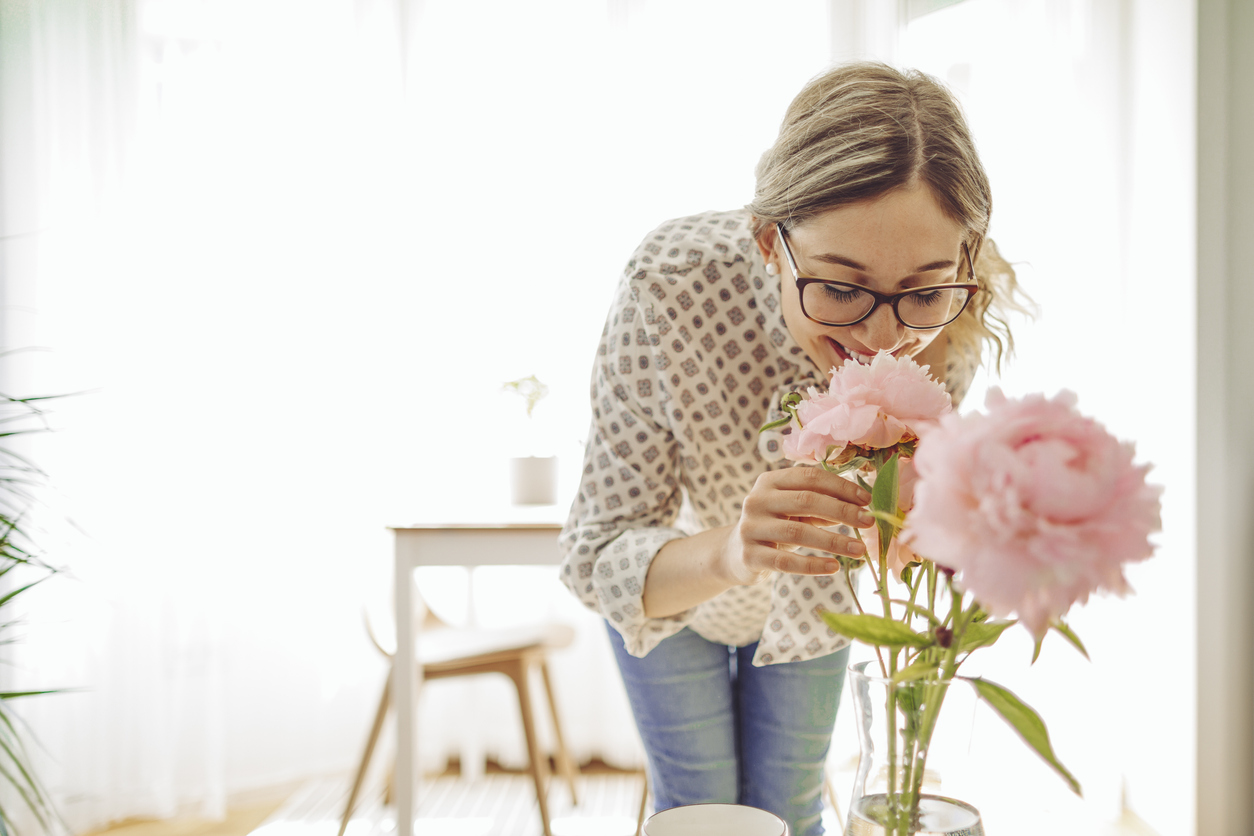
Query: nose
<point>881,331</point>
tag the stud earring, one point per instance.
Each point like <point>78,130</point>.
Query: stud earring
<point>771,269</point>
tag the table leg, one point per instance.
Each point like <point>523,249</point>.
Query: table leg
<point>405,683</point>
<point>472,752</point>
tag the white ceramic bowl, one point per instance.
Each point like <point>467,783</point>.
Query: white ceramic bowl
<point>715,820</point>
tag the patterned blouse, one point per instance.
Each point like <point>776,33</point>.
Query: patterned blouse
<point>694,356</point>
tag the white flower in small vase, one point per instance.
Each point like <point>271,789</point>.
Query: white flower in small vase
<point>533,478</point>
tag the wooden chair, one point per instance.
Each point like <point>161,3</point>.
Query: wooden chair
<point>445,652</point>
<point>644,804</point>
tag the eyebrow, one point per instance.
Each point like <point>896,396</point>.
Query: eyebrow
<point>833,258</point>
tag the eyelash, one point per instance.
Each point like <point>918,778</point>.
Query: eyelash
<point>839,295</point>
<point>929,298</point>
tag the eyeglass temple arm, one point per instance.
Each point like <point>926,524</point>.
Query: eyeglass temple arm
<point>792,264</point>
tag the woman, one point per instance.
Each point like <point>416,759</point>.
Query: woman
<point>710,558</point>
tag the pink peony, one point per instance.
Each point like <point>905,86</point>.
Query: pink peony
<point>871,406</point>
<point>1033,505</point>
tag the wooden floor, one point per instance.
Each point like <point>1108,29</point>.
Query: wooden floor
<point>494,805</point>
<point>497,804</point>
<point>240,821</point>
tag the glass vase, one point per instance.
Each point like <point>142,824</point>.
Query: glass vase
<point>897,789</point>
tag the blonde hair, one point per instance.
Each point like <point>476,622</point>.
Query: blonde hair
<point>859,131</point>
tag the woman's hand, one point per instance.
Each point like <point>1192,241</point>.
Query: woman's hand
<point>783,512</point>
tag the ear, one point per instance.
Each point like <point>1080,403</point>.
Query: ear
<point>767,240</point>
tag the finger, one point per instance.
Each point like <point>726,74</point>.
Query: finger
<point>783,533</point>
<point>820,522</point>
<point>845,528</point>
<point>791,563</point>
<point>801,504</point>
<point>817,480</point>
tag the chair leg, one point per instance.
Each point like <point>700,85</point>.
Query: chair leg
<point>379,717</point>
<point>831,796</point>
<point>644,804</point>
<point>564,761</point>
<point>539,761</point>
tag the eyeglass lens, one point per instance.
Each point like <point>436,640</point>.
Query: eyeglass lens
<point>837,305</point>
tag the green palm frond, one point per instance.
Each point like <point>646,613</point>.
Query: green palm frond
<point>20,480</point>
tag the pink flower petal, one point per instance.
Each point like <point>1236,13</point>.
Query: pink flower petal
<point>1034,505</point>
<point>873,406</point>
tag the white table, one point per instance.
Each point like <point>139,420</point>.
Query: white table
<point>530,539</point>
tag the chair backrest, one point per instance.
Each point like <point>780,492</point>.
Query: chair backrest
<point>381,624</point>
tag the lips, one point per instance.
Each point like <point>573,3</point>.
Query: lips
<point>845,353</point>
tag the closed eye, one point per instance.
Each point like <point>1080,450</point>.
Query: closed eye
<point>928,298</point>
<point>839,294</point>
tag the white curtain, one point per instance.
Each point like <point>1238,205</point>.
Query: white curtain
<point>1083,113</point>
<point>289,288</point>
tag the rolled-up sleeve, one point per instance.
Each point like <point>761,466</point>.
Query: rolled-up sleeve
<point>630,493</point>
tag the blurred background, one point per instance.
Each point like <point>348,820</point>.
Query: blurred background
<point>288,251</point>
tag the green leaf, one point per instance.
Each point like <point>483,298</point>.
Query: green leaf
<point>9,695</point>
<point>918,670</point>
<point>884,501</point>
<point>1024,720</point>
<point>1036,648</point>
<point>11,595</point>
<point>788,404</point>
<point>24,781</point>
<point>895,520</point>
<point>875,630</point>
<point>1067,633</point>
<point>910,705</point>
<point>20,482</point>
<point>32,799</point>
<point>982,634</point>
<point>915,609</point>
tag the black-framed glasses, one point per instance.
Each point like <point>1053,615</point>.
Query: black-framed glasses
<point>829,302</point>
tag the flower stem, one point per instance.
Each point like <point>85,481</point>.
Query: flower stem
<point>898,815</point>
<point>934,696</point>
<point>931,586</point>
<point>854,592</point>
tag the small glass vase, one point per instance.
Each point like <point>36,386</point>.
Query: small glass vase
<point>911,804</point>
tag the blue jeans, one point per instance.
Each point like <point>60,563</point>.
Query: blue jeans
<point>717,729</point>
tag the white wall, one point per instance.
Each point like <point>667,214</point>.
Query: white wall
<point>1225,402</point>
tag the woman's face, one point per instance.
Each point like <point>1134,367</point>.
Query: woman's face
<point>891,243</point>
